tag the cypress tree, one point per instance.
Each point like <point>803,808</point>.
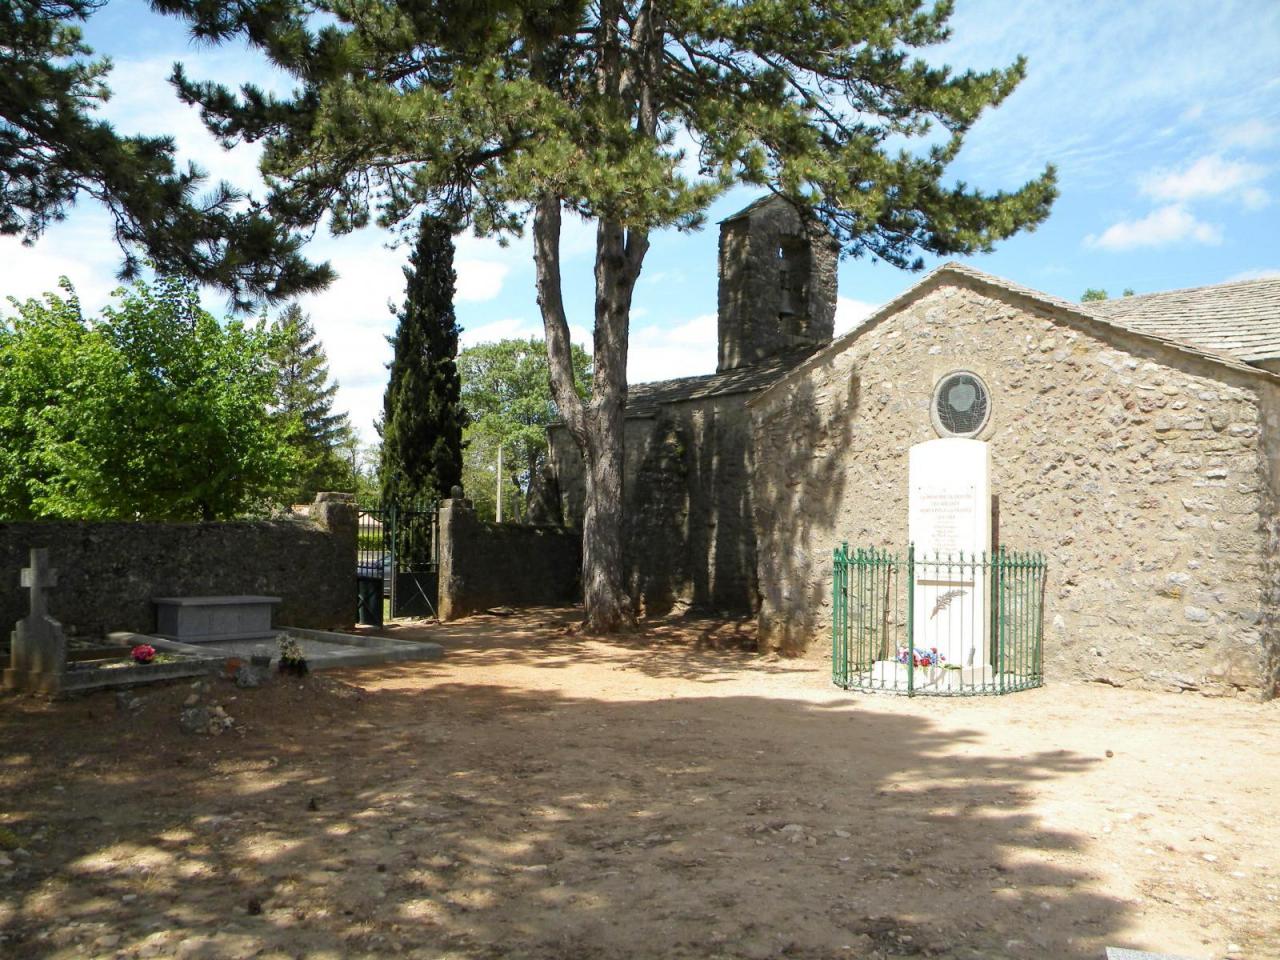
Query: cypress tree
<point>422,413</point>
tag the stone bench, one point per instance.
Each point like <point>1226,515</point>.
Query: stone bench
<point>205,619</point>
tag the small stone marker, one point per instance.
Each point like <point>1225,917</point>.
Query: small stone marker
<point>949,514</point>
<point>38,654</point>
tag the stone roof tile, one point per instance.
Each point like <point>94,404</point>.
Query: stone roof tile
<point>1241,319</point>
<point>643,399</point>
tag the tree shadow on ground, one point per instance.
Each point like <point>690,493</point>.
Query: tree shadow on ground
<point>431,819</point>
<point>687,647</point>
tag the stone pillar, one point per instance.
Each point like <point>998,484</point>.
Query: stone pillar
<point>337,513</point>
<point>457,527</point>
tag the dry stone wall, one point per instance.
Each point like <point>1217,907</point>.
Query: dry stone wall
<point>484,565</point>
<point>108,572</point>
<point>1141,471</point>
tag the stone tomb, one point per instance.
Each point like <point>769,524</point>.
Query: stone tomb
<point>213,619</point>
<point>38,649</point>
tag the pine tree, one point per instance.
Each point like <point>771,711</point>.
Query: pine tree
<point>53,151</point>
<point>422,414</point>
<point>503,112</point>
<point>304,408</point>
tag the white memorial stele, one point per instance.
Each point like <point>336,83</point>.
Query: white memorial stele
<point>949,524</point>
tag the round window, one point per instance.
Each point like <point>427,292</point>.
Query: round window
<point>961,405</point>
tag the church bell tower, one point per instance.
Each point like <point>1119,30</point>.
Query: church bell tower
<point>777,284</point>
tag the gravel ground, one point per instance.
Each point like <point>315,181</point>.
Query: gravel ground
<point>667,794</point>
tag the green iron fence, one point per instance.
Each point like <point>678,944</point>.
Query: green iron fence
<point>397,559</point>
<point>944,625</point>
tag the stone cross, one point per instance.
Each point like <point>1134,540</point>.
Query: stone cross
<point>38,651</point>
<point>38,578</point>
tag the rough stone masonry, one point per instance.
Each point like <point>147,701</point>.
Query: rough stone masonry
<point>1145,470</point>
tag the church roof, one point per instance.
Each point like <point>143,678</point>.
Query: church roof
<point>644,399</point>
<point>1240,319</point>
<point>1228,323</point>
<point>758,204</point>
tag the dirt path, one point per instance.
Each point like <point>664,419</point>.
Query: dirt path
<point>539,795</point>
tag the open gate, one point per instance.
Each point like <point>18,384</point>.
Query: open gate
<point>397,561</point>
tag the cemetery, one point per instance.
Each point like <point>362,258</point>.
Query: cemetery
<point>204,757</point>
<point>477,481</point>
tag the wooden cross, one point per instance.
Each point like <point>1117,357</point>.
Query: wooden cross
<point>38,578</point>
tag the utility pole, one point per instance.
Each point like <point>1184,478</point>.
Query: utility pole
<point>499,483</point>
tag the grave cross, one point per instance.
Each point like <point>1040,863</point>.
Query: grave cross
<point>38,578</point>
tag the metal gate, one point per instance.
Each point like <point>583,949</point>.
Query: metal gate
<point>397,561</point>
<point>946,625</point>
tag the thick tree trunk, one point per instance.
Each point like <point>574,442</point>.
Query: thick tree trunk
<point>598,426</point>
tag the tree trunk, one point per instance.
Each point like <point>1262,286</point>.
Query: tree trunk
<point>597,427</point>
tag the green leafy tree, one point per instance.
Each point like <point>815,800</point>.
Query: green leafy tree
<point>154,411</point>
<point>506,391</point>
<point>422,417</point>
<point>316,436</point>
<point>1094,294</point>
<point>53,151</point>
<point>505,112</point>
<point>41,350</point>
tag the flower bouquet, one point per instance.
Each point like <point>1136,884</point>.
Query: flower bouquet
<point>291,658</point>
<point>143,653</point>
<point>921,658</point>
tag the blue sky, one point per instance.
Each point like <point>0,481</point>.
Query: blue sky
<point>1162,116</point>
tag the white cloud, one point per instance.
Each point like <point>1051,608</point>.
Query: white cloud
<point>1248,133</point>
<point>1255,198</point>
<point>1210,176</point>
<point>479,280</point>
<point>27,273</point>
<point>1261,273</point>
<point>508,328</point>
<point>1170,224</point>
<point>143,102</point>
<point>685,350</point>
<point>850,313</point>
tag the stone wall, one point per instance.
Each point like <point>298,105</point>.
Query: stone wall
<point>689,535</point>
<point>1139,469</point>
<point>108,572</point>
<point>485,565</point>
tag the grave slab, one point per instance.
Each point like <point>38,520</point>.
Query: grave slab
<point>210,619</point>
<point>326,650</point>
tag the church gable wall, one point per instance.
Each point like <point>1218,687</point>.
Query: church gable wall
<point>1140,472</point>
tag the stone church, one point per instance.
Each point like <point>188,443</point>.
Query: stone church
<point>1135,442</point>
